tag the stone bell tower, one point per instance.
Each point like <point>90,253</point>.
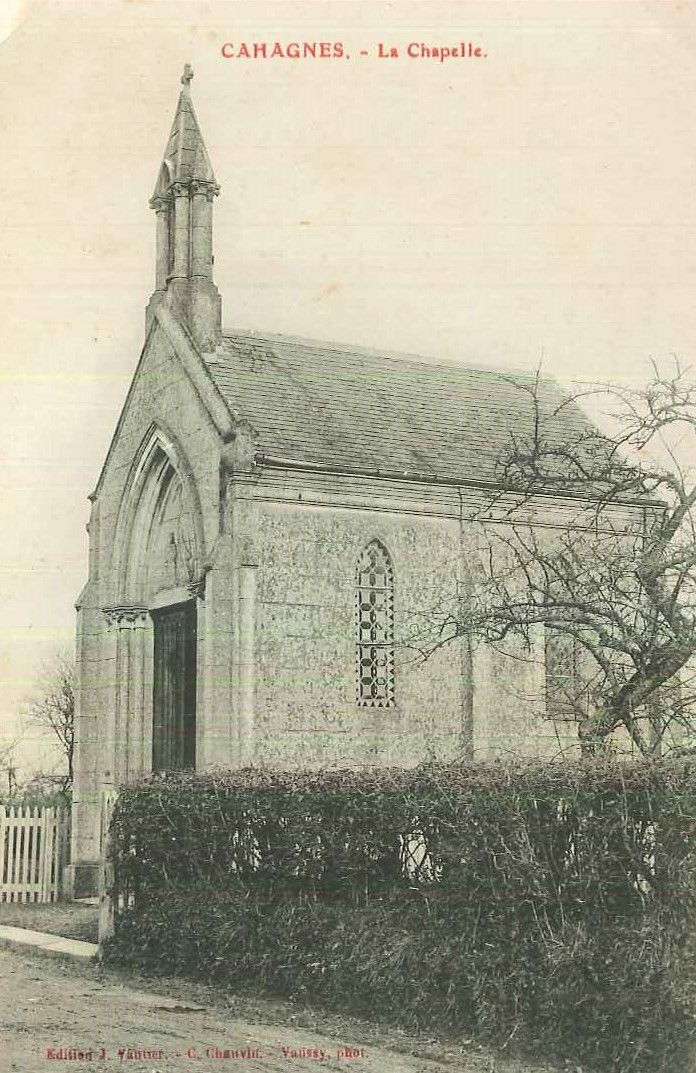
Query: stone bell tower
<point>183,202</point>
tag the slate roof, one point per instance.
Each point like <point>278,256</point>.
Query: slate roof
<point>343,406</point>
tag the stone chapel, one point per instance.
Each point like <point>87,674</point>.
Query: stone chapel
<point>274,520</point>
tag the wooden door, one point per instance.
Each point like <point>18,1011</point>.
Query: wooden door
<point>174,688</point>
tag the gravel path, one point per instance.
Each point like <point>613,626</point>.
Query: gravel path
<point>57,1016</point>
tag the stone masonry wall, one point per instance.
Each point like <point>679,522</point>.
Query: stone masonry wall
<point>161,393</point>
<point>306,710</point>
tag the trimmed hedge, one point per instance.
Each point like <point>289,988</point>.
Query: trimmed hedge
<point>550,905</point>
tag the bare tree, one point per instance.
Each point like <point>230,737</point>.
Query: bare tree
<point>8,768</point>
<point>53,709</point>
<point>615,584</point>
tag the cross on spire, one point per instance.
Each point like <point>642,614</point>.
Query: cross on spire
<point>185,157</point>
<point>183,201</point>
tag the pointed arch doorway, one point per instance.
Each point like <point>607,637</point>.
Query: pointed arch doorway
<point>174,687</point>
<point>160,548</point>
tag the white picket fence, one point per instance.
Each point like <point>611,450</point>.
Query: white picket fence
<point>108,800</point>
<point>33,851</point>
<point>107,903</point>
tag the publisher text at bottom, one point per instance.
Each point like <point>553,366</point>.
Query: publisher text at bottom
<point>142,1054</point>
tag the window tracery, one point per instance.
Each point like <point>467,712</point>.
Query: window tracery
<point>375,627</point>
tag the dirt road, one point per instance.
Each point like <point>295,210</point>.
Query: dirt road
<point>56,1016</point>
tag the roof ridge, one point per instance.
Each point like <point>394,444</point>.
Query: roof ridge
<point>398,357</point>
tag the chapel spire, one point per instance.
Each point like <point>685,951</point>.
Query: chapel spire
<point>183,201</point>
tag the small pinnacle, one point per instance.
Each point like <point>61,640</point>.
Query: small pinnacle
<point>187,75</point>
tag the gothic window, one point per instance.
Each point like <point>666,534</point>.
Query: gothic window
<point>565,689</point>
<point>374,603</point>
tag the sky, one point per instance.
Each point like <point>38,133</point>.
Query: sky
<point>536,203</point>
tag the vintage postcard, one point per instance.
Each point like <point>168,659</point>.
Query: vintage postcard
<point>283,281</point>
